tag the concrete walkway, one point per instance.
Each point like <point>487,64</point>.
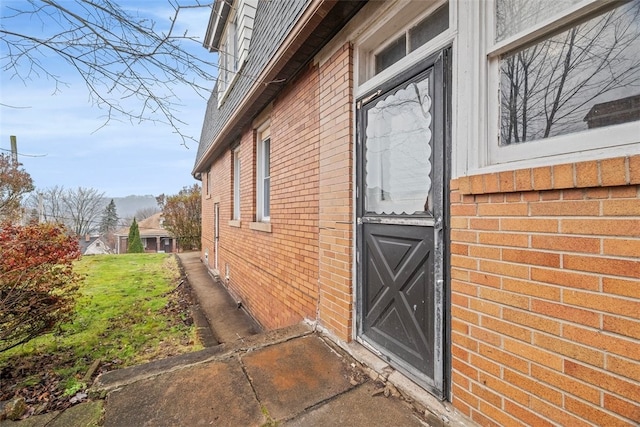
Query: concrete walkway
<point>226,321</point>
<point>290,377</point>
<point>287,377</point>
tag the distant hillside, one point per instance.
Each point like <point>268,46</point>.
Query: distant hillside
<point>126,207</point>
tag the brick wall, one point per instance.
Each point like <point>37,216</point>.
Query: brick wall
<point>219,180</point>
<point>545,296</point>
<point>336,193</point>
<point>274,274</point>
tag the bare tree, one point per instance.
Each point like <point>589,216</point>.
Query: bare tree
<point>120,55</point>
<point>46,204</point>
<point>147,212</point>
<point>79,209</point>
<point>84,207</point>
<point>139,215</point>
<point>548,88</point>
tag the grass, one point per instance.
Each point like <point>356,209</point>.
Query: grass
<point>120,317</point>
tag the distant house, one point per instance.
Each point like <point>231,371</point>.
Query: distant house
<point>94,245</point>
<point>153,235</point>
<point>614,112</point>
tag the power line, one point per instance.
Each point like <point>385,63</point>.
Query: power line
<point>25,155</point>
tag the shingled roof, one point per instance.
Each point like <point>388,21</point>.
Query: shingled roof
<point>270,65</point>
<point>148,227</point>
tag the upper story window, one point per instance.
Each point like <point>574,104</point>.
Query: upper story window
<point>566,73</point>
<point>228,57</point>
<point>208,183</point>
<point>229,33</point>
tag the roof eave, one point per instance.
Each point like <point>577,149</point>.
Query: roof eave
<point>317,15</point>
<point>217,21</point>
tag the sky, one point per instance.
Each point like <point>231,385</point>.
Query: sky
<point>63,140</point>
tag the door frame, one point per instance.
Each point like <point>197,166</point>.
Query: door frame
<point>445,91</point>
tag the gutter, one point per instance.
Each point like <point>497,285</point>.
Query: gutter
<point>219,13</point>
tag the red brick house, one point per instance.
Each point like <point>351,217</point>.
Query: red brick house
<point>418,179</point>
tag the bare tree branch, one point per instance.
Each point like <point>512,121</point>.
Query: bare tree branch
<point>131,68</point>
<point>548,88</point>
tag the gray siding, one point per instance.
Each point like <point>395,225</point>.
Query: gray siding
<point>273,21</point>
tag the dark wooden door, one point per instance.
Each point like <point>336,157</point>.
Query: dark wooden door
<point>402,129</point>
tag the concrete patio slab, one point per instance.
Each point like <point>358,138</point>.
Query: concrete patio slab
<point>296,375</point>
<point>373,409</point>
<point>215,393</point>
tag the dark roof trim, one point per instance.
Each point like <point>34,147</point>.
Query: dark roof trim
<point>321,20</point>
<point>217,21</point>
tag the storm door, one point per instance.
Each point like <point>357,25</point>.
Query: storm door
<point>402,128</point>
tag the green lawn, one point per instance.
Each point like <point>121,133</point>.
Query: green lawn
<point>121,318</point>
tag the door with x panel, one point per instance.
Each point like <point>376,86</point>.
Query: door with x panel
<point>402,132</point>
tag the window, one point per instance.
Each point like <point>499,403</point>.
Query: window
<point>263,188</point>
<point>397,150</point>
<point>208,182</point>
<point>567,75</point>
<point>228,57</point>
<point>387,48</point>
<point>232,45</point>
<point>412,38</point>
<point>236,183</point>
<point>514,16</point>
<point>229,33</point>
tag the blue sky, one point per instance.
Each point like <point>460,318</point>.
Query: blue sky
<point>62,140</point>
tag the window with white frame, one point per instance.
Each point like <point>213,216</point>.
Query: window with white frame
<point>228,56</point>
<point>412,38</point>
<point>263,185</point>
<point>236,183</point>
<point>567,75</point>
<point>234,43</point>
<point>208,182</point>
<point>409,26</point>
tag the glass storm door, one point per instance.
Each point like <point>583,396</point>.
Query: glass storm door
<point>400,200</point>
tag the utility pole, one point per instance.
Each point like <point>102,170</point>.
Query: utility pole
<point>14,149</point>
<point>40,208</point>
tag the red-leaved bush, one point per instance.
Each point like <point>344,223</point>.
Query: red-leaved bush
<point>37,282</point>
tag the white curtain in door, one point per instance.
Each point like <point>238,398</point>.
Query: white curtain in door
<point>398,152</point>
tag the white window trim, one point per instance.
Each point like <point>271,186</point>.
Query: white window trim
<point>233,53</point>
<point>209,183</point>
<point>228,70</point>
<point>236,183</point>
<point>380,33</point>
<point>372,22</point>
<point>612,141</point>
<point>263,134</point>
